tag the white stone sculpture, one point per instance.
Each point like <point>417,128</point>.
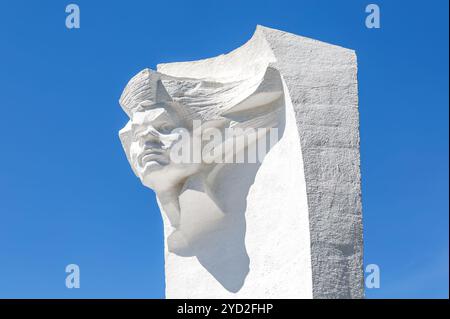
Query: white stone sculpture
<point>272,210</point>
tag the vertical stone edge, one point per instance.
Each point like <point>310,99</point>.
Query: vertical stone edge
<point>322,80</point>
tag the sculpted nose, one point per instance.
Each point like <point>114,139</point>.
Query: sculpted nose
<point>150,136</point>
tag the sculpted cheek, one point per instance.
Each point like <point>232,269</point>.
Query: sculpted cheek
<point>134,152</point>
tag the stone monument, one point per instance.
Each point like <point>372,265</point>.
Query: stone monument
<point>254,159</point>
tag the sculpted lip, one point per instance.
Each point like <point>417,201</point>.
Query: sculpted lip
<point>150,155</point>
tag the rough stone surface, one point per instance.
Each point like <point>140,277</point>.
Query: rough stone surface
<point>322,82</point>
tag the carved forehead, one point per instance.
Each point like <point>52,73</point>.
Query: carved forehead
<point>152,116</point>
<point>199,98</point>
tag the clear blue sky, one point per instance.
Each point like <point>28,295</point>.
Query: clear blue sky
<point>67,194</point>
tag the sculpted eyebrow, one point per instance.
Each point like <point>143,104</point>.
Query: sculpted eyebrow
<point>156,123</point>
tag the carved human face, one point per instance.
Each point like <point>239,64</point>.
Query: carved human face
<point>153,134</point>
